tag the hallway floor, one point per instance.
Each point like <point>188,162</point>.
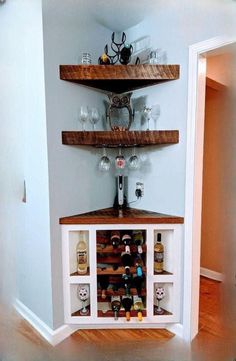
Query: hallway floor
<point>18,342</point>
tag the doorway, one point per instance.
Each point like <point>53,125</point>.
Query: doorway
<point>198,55</point>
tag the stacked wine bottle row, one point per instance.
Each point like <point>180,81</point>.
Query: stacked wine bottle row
<point>121,278</point>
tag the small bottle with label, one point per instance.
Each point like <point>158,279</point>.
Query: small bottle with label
<point>82,256</point>
<point>158,255</point>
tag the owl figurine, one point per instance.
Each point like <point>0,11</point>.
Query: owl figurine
<point>119,112</point>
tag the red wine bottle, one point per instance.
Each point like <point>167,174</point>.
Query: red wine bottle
<point>138,240</point>
<point>127,280</point>
<point>115,239</point>
<point>104,283</point>
<point>127,304</point>
<point>126,239</point>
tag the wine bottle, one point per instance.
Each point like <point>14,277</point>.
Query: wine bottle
<point>158,255</point>
<point>138,306</point>
<point>115,238</point>
<point>115,305</point>
<point>138,240</point>
<point>127,304</point>
<point>127,280</point>
<point>126,239</point>
<point>139,277</point>
<point>104,283</point>
<point>82,256</point>
<point>104,59</point>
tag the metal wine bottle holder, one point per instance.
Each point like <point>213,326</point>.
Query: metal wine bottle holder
<point>122,52</point>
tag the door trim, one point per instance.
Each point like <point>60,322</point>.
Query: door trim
<point>193,188</point>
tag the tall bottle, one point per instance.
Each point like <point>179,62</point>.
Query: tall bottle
<point>138,306</point>
<point>158,255</point>
<point>115,306</point>
<point>82,256</point>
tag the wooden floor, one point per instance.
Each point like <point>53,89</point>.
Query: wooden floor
<point>19,342</point>
<point>106,336</point>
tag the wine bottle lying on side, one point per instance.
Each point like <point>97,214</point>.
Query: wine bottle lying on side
<point>115,306</point>
<point>138,306</point>
<point>127,304</point>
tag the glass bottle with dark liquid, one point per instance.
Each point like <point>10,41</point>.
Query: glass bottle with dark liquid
<point>115,306</point>
<point>127,304</point>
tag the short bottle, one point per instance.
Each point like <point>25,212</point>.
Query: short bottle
<point>158,255</point>
<point>104,59</point>
<point>82,257</point>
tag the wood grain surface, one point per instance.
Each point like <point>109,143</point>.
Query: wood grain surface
<point>126,216</point>
<point>113,139</point>
<point>118,78</point>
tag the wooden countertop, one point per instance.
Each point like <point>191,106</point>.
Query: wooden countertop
<point>126,216</point>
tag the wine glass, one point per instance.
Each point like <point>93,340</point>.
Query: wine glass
<point>104,163</point>
<point>147,115</point>
<point>160,294</point>
<point>83,115</point>
<point>120,160</point>
<point>155,112</point>
<point>83,295</point>
<point>94,116</point>
<point>133,162</point>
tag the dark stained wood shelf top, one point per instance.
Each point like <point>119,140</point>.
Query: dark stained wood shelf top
<point>118,78</point>
<point>113,139</point>
<point>126,216</point>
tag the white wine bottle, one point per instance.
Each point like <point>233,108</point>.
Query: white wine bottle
<point>158,255</point>
<point>82,256</point>
<point>138,306</point>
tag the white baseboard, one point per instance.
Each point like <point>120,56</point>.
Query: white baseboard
<point>176,328</point>
<point>211,274</point>
<point>52,336</point>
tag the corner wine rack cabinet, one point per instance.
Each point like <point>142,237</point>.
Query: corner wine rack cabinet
<point>104,263</point>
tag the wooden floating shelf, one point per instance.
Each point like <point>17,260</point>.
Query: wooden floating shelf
<point>118,250</point>
<point>114,139</point>
<point>110,313</point>
<point>118,271</point>
<point>118,78</point>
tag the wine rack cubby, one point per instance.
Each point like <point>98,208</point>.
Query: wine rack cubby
<point>74,239</point>
<point>106,273</point>
<point>118,271</point>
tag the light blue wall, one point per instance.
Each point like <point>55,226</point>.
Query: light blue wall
<point>173,27</point>
<point>76,185</point>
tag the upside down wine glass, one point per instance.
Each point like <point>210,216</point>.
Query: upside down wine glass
<point>104,163</point>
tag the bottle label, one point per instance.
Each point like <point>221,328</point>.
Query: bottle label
<point>82,257</point>
<point>158,257</point>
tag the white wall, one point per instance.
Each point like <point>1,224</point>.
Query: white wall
<point>76,185</point>
<point>25,236</point>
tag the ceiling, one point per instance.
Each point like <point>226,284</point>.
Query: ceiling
<point>116,15</point>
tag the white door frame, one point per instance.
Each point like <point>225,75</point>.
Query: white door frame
<point>193,189</point>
